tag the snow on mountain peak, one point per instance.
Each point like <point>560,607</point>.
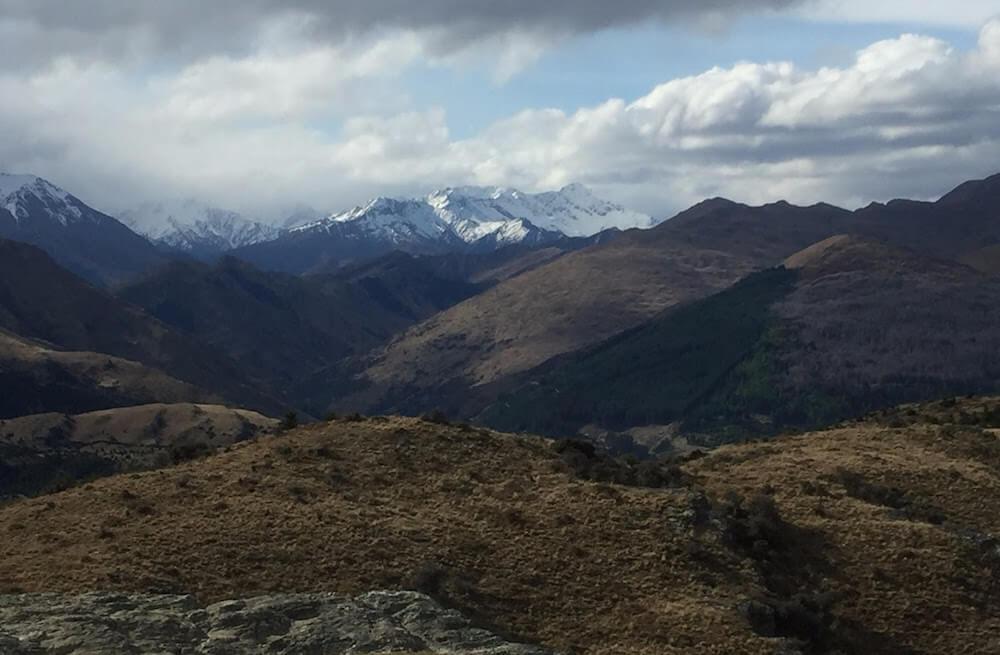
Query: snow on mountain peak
<point>474,213</point>
<point>10,183</point>
<point>192,225</point>
<point>573,210</point>
<point>391,219</point>
<point>17,191</point>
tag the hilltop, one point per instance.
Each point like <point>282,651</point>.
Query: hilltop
<point>827,542</point>
<point>44,452</point>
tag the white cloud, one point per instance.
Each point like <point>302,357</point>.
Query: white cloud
<point>909,117</point>
<point>283,84</point>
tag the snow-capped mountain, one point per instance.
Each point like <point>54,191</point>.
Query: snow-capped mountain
<point>462,218</point>
<point>396,221</point>
<point>84,240</point>
<point>30,198</point>
<point>573,210</point>
<point>503,215</point>
<point>196,228</point>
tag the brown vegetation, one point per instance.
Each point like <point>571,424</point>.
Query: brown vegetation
<point>827,541</point>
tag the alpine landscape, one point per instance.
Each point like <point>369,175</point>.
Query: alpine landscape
<point>484,328</point>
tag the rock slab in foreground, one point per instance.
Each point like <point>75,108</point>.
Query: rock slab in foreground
<point>324,624</point>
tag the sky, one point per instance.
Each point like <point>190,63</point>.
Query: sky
<point>263,106</point>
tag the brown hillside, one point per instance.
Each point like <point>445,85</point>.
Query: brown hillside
<point>986,259</point>
<point>577,300</point>
<point>907,514</point>
<point>867,316</point>
<point>43,451</point>
<point>885,545</point>
<point>35,378</point>
<point>580,299</point>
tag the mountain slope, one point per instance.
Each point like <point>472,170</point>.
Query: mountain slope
<point>42,301</point>
<point>849,326</point>
<point>283,329</point>
<point>749,551</point>
<point>87,242</point>
<point>35,378</point>
<point>463,356</point>
<point>196,228</point>
<point>42,451</point>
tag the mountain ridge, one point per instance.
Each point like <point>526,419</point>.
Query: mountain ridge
<point>196,228</point>
<point>84,240</point>
<point>452,219</point>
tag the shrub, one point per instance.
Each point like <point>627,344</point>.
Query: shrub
<point>290,422</point>
<point>186,452</point>
<point>437,416</point>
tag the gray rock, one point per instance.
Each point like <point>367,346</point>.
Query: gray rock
<point>310,624</point>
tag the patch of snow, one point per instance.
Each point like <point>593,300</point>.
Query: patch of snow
<point>191,225</point>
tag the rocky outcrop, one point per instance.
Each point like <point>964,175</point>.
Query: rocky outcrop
<point>327,624</point>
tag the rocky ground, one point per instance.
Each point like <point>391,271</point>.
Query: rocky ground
<point>332,624</point>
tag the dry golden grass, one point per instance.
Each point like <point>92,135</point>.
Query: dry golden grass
<point>383,503</point>
<point>500,527</point>
<point>913,571</point>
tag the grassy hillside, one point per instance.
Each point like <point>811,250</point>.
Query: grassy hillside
<point>868,539</point>
<point>43,452</point>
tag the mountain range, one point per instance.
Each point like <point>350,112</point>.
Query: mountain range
<point>466,218</point>
<point>742,314</point>
<point>465,358</point>
<point>109,252</point>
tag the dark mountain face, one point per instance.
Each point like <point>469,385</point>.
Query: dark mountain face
<point>35,379</point>
<point>83,240</point>
<point>851,326</point>
<point>39,300</point>
<point>284,328</point>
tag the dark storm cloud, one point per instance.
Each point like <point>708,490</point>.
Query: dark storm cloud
<point>110,28</point>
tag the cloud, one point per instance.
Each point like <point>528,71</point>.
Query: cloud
<point>967,13</point>
<point>120,28</point>
<point>908,116</point>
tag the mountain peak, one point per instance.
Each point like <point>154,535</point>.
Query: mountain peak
<point>22,195</point>
<point>974,191</point>
<point>11,183</point>
<point>576,189</point>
